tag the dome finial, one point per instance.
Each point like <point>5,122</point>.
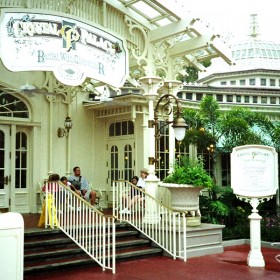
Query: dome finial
<point>254,27</point>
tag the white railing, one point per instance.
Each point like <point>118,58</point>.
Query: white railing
<point>165,227</point>
<point>90,229</point>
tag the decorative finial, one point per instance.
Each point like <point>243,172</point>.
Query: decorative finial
<point>254,27</point>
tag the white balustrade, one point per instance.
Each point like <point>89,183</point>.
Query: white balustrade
<point>170,229</point>
<point>85,225</point>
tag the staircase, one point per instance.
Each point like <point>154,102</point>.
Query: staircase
<point>51,249</point>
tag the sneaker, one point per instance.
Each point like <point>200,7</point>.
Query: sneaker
<point>125,211</point>
<point>71,207</point>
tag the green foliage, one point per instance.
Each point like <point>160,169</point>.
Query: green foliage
<point>224,208</point>
<point>229,129</point>
<point>219,207</point>
<point>209,112</point>
<point>189,172</point>
<point>192,72</point>
<point>240,126</point>
<point>196,134</point>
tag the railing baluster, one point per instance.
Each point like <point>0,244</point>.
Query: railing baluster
<point>88,228</point>
<point>167,230</point>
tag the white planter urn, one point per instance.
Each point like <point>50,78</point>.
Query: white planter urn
<point>185,198</point>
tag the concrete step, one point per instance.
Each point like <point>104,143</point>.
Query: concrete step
<point>46,250</point>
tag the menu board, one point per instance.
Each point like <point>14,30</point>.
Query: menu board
<point>254,171</point>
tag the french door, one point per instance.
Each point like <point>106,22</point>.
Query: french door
<point>121,160</point>
<point>14,151</point>
<point>5,172</point>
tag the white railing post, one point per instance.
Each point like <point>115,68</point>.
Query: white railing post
<point>87,227</point>
<point>170,228</point>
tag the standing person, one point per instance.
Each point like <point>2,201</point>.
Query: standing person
<point>81,183</point>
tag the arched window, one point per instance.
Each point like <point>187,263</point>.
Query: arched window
<point>11,106</point>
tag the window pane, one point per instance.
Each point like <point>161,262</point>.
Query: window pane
<point>130,127</point>
<point>11,106</point>
<point>272,82</point>
<point>199,96</point>
<point>21,159</point>
<point>273,100</point>
<point>111,130</point>
<point>124,128</point>
<point>263,82</point>
<point>2,139</point>
<point>229,98</point>
<point>2,178</point>
<point>252,82</point>
<point>189,96</point>
<point>118,129</point>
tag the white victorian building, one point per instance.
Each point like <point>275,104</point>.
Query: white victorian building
<point>70,92</point>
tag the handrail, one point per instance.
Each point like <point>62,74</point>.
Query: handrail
<point>89,228</point>
<point>165,227</point>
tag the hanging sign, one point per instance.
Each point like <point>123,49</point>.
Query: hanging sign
<point>254,171</point>
<point>72,49</point>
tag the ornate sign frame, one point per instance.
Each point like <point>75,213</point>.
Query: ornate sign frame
<point>254,171</point>
<point>72,49</point>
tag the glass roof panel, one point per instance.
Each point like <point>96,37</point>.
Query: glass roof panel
<point>163,22</point>
<point>144,8</point>
<point>152,11</point>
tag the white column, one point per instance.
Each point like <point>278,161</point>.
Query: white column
<point>51,122</point>
<point>150,86</point>
<point>255,257</point>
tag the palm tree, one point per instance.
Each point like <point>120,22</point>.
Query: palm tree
<point>217,131</point>
<point>210,127</point>
<point>236,127</point>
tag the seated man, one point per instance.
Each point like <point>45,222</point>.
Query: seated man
<point>80,181</point>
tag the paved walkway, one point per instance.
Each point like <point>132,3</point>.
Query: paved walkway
<point>229,265</point>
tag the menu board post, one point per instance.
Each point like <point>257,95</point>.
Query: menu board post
<point>254,179</point>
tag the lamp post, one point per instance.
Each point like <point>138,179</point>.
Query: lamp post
<point>178,123</point>
<point>164,106</point>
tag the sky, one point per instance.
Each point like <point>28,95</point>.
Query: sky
<point>226,16</point>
